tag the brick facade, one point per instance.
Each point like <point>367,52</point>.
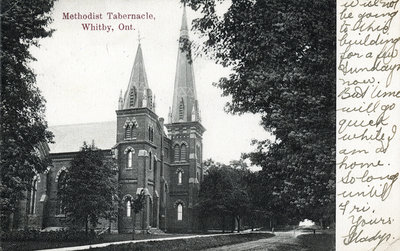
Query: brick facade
<point>167,167</point>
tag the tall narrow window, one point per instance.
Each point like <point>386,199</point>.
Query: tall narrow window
<point>32,202</point>
<point>198,154</point>
<point>183,152</point>
<point>180,177</point>
<point>154,168</point>
<point>179,212</point>
<point>133,132</point>
<point>150,160</point>
<point>151,132</point>
<point>128,132</point>
<point>128,208</point>
<point>176,152</point>
<point>130,159</point>
<point>62,182</point>
<point>181,109</point>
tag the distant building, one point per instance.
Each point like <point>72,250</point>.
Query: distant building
<point>167,166</point>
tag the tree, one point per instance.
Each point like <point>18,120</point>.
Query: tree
<point>222,193</point>
<point>90,189</point>
<point>282,56</point>
<point>137,206</point>
<point>22,122</point>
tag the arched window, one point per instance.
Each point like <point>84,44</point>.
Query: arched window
<point>130,159</point>
<point>32,201</point>
<point>179,210</point>
<point>179,177</point>
<point>128,208</point>
<point>181,109</point>
<point>176,152</point>
<point>62,183</point>
<point>130,127</point>
<point>183,152</point>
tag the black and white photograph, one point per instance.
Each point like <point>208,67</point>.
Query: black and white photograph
<point>199,125</point>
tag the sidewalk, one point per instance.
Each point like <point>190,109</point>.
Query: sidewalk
<point>102,245</point>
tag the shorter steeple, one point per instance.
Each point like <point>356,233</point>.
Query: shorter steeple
<point>136,95</point>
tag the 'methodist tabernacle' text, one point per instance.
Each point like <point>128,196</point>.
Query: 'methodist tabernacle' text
<point>108,15</point>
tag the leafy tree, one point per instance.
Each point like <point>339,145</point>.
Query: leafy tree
<point>239,164</point>
<point>22,122</point>
<point>90,189</point>
<point>264,203</point>
<point>282,56</point>
<point>137,206</point>
<point>222,193</point>
<point>213,190</point>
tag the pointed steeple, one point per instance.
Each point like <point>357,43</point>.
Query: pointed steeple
<point>184,98</point>
<point>138,87</point>
<point>184,32</point>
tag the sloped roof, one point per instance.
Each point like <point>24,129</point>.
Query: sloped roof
<point>69,138</point>
<point>185,98</point>
<point>137,82</point>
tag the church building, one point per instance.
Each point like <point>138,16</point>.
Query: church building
<point>161,158</point>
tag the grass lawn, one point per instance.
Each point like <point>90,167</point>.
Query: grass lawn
<point>318,242</point>
<point>34,245</point>
<point>198,243</point>
<point>184,244</point>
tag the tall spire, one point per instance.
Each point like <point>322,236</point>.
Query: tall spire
<point>184,105</point>
<point>184,27</point>
<point>138,87</point>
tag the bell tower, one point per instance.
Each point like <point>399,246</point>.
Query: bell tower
<point>186,132</point>
<point>137,150</point>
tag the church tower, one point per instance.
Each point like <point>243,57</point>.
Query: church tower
<point>186,131</point>
<point>139,133</point>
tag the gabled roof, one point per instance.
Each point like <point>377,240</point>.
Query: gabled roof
<point>69,138</point>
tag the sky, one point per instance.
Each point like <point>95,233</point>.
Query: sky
<point>81,72</point>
